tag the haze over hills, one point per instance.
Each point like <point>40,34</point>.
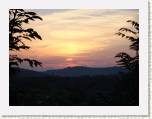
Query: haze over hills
<point>72,71</point>
<point>80,71</point>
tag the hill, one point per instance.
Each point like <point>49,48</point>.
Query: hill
<point>26,73</point>
<point>83,71</point>
<point>30,88</point>
<point>70,72</point>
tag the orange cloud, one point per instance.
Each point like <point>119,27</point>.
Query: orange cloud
<point>71,33</point>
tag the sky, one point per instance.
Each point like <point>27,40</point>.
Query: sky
<point>79,37</point>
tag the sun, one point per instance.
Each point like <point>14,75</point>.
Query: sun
<point>69,59</point>
<point>70,48</point>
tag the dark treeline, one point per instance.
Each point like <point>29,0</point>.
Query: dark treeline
<point>114,90</point>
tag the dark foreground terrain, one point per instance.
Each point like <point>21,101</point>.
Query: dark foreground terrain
<point>112,90</point>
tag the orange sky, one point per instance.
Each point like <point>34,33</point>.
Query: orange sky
<point>79,37</point>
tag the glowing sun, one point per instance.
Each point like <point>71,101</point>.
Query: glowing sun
<point>69,59</point>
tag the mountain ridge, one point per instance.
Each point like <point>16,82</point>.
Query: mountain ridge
<point>72,71</point>
<point>81,70</point>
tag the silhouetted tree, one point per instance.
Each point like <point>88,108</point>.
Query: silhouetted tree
<point>132,34</point>
<point>18,34</point>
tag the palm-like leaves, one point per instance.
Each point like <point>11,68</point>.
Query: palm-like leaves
<point>14,60</point>
<point>131,63</point>
<point>17,18</point>
<point>18,34</point>
<point>127,61</point>
<point>134,35</point>
<point>134,24</point>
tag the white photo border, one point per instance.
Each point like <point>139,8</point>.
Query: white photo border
<point>142,109</point>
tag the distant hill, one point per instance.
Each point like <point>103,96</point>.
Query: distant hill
<point>80,70</point>
<point>26,73</point>
<point>70,71</point>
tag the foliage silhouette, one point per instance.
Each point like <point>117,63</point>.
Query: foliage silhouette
<point>111,90</point>
<point>18,34</point>
<point>131,63</point>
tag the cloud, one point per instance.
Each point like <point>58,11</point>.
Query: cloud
<point>49,11</point>
<point>109,12</point>
<point>87,36</point>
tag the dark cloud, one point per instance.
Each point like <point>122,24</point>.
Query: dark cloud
<point>107,12</point>
<point>49,11</point>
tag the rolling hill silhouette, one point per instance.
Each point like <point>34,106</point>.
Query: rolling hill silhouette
<point>81,71</point>
<point>66,87</point>
<point>71,71</point>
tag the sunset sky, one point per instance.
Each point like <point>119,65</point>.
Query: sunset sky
<point>79,37</point>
